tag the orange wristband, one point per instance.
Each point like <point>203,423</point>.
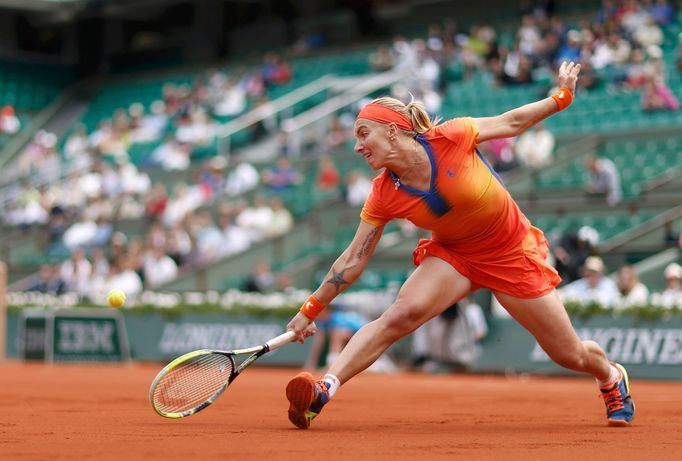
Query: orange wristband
<point>563,98</point>
<point>312,307</point>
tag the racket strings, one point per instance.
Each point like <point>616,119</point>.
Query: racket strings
<point>192,383</point>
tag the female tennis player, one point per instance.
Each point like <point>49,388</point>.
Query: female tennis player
<point>435,177</point>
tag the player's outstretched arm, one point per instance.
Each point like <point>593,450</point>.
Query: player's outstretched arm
<point>516,121</point>
<point>346,269</point>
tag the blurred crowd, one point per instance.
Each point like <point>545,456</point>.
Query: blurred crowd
<point>619,49</point>
<point>626,291</point>
<point>91,184</point>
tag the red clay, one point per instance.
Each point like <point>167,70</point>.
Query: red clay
<point>102,412</point>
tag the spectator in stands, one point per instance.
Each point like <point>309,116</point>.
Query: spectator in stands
<point>633,16</point>
<point>358,188</point>
<point>275,70</point>
<point>663,12</point>
<point>180,246</point>
<point>130,207</point>
<point>529,35</point>
<point>56,225</point>
<point>261,280</point>
<point>328,177</point>
<point>156,202</point>
<point>282,177</point>
<point>99,207</point>
<point>159,268</point>
<point>648,34</point>
<point>153,124</point>
<point>212,176</point>
<point>29,209</point>
<point>672,295</point>
<point>656,94</point>
<point>171,154</point>
<point>133,180</point>
<point>451,339</point>
<point>235,239</point>
<point>48,280</point>
<point>196,128</point>
<point>99,263</point>
<point>535,147</point>
<point>604,179</point>
<point>338,135</point>
<point>76,148</point>
<point>76,272</point>
<point>572,250</point>
<point>242,177</point>
<point>208,236</point>
<point>637,73</point>
<point>80,234</point>
<point>185,199</point>
<point>594,287</point>
<point>607,12</point>
<point>591,79</point>
<point>122,276</point>
<point>632,292</point>
<point>103,233</point>
<point>117,246</point>
<point>281,220</point>
<point>382,59</point>
<point>571,49</point>
<point>256,218</point>
<point>500,153</point>
<point>9,122</point>
<point>233,99</point>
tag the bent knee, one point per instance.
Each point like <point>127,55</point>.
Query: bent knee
<point>573,359</point>
<point>403,317</point>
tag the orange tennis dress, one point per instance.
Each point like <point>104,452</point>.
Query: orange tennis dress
<point>475,224</point>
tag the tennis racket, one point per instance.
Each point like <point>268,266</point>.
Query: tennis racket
<point>195,380</point>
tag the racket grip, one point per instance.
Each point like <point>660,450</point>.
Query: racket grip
<point>281,340</point>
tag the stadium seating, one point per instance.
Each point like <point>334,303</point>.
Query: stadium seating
<point>638,161</point>
<point>30,87</point>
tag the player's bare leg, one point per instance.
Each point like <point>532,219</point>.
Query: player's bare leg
<point>432,287</point>
<point>546,319</point>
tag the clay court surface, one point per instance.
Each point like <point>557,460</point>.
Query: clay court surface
<point>98,412</point>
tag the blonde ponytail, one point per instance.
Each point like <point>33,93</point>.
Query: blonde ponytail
<point>414,111</point>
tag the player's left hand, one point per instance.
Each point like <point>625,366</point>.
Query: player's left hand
<point>568,75</point>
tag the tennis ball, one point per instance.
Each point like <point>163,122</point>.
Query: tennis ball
<point>116,298</point>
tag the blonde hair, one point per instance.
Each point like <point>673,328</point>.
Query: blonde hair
<point>414,111</point>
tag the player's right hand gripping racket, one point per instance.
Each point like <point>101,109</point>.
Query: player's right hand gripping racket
<point>195,380</point>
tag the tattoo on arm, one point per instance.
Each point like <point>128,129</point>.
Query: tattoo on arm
<point>337,279</point>
<point>366,246</point>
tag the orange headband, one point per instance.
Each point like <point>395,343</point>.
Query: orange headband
<point>383,114</point>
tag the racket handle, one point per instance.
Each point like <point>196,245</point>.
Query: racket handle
<point>281,340</point>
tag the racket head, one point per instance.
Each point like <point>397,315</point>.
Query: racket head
<point>191,382</point>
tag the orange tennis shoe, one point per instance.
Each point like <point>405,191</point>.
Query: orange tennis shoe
<point>306,399</point>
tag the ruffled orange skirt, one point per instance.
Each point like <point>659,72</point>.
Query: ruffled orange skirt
<point>520,271</point>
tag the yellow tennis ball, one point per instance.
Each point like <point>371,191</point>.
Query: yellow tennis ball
<point>116,298</point>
